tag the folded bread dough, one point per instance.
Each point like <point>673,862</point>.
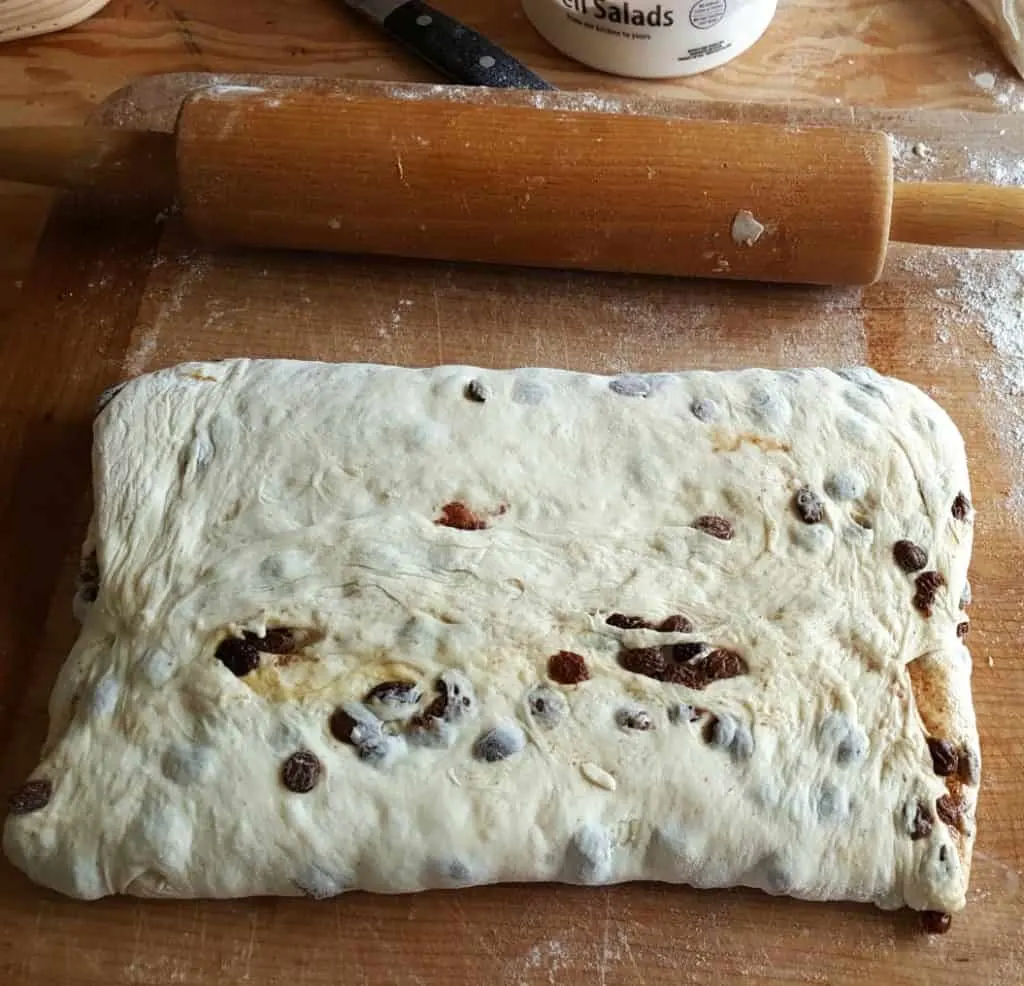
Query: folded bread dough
<point>352,626</point>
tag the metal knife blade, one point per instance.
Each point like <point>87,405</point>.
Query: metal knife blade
<point>458,52</point>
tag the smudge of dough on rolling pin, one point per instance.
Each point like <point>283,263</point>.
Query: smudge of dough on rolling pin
<point>746,230</point>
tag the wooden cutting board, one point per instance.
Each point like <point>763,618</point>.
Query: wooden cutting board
<point>111,298</point>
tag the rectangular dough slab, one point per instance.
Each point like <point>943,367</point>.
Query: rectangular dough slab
<point>409,524</point>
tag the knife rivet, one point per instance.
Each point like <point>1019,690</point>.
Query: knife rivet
<point>424,20</point>
<point>488,61</point>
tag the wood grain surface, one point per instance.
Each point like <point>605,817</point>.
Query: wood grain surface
<point>480,182</point>
<point>920,53</point>
<point>109,299</point>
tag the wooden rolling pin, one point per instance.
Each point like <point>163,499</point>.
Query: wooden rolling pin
<point>315,168</point>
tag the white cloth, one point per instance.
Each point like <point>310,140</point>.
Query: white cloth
<point>1005,19</point>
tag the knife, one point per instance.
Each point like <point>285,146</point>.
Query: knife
<point>456,51</point>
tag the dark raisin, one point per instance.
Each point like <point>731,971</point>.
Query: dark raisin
<point>728,733</point>
<point>719,731</point>
<point>89,578</point>
<point>962,629</point>
<point>951,811</point>
<point>630,386</point>
<point>921,826</point>
<point>722,663</point>
<point>361,729</point>
<point>909,556</point>
<point>969,766</point>
<point>927,588</point>
<point>90,568</point>
<point>961,507</point>
<point>437,708</point>
<point>688,651</point>
<point>716,665</point>
<point>301,772</point>
<point>567,668</point>
<point>342,725</point>
<point>459,516</point>
<point>682,676</point>
<point>945,760</point>
<point>637,719</point>
<point>681,712</point>
<point>809,506</point>
<point>717,527</point>
<point>445,696</point>
<point>499,743</point>
<point>623,622</point>
<point>936,922</point>
<point>425,730</point>
<point>455,697</point>
<point>277,640</point>
<point>704,409</point>
<point>478,391</point>
<point>31,796</point>
<point>547,706</point>
<point>394,693</point>
<point>648,661</point>
<point>238,656</point>
<point>675,624</point>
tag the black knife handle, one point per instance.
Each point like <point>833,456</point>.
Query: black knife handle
<point>458,52</point>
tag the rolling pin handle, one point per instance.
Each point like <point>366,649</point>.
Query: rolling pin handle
<point>125,164</point>
<point>987,217</point>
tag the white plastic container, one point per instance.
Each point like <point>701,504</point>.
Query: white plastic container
<point>651,39</point>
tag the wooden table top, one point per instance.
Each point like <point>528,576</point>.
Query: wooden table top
<point>109,298</point>
<point>897,53</point>
<point>902,53</point>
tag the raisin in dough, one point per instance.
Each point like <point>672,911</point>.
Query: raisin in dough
<point>352,626</point>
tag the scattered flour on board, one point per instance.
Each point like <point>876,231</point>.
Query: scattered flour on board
<point>550,956</point>
<point>1004,89</point>
<point>843,343</point>
<point>145,345</point>
<point>588,102</point>
<point>993,293</point>
<point>980,291</point>
<point>142,350</point>
<point>1000,169</point>
<point>830,332</point>
<point>385,328</point>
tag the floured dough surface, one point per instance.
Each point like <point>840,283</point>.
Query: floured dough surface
<point>351,626</point>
